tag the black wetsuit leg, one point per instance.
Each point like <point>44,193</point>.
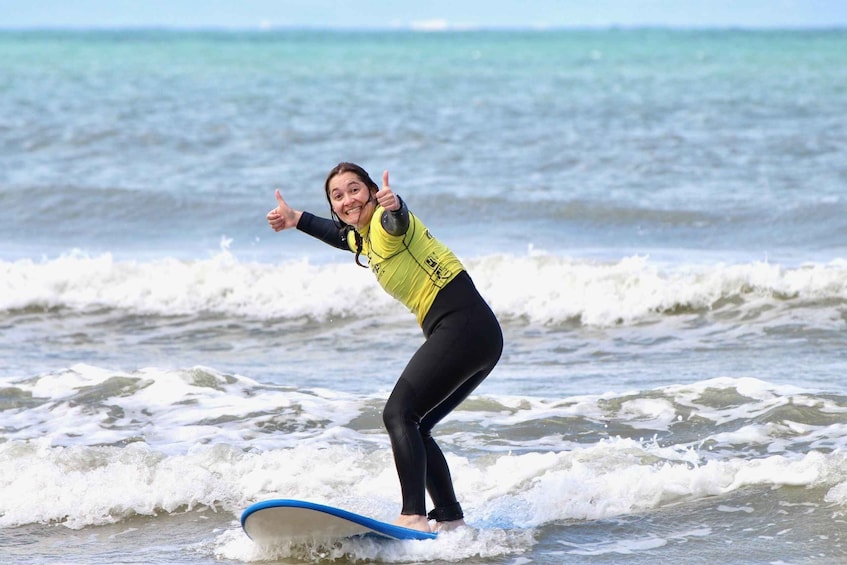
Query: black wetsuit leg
<point>463,344</point>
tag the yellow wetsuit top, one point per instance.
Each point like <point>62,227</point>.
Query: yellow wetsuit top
<point>411,267</point>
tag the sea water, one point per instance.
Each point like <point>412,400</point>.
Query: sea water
<point>658,219</point>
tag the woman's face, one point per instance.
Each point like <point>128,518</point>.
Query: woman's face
<point>351,200</point>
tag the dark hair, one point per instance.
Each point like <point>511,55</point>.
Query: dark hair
<point>363,176</point>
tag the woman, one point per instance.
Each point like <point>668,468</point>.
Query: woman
<point>463,338</point>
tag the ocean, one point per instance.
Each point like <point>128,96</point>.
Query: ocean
<point>658,218</point>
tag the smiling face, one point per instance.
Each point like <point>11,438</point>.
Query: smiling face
<point>351,199</point>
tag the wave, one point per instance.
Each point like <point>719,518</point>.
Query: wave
<point>537,288</point>
<point>101,446</point>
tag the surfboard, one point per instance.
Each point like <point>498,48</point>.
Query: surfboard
<point>273,521</point>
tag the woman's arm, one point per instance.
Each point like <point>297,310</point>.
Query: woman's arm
<point>396,222</point>
<point>284,217</point>
<point>323,229</point>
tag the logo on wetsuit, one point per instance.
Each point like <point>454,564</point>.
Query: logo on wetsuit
<point>439,271</point>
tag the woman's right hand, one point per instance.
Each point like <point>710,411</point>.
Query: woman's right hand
<point>283,216</point>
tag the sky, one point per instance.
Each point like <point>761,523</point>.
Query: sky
<point>420,14</point>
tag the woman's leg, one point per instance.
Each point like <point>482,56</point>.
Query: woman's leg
<point>462,348</point>
<point>439,482</point>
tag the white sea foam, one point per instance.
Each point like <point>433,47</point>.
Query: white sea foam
<point>168,287</point>
<point>551,289</point>
<point>80,486</point>
<point>456,545</point>
<point>87,449</point>
<point>171,410</point>
<point>540,288</point>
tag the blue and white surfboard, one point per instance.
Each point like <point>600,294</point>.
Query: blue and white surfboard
<point>273,521</point>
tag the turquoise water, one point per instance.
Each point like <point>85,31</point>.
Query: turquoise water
<point>656,217</point>
<point>707,139</point>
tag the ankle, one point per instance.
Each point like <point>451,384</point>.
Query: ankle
<point>449,513</point>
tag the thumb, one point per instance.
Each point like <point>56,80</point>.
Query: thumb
<point>385,179</point>
<point>279,199</point>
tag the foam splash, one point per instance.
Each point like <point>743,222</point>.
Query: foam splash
<point>537,287</point>
<point>457,545</point>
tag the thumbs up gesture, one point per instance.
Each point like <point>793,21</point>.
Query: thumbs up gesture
<point>283,216</point>
<point>386,197</point>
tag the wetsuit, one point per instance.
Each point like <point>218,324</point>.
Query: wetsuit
<point>463,343</point>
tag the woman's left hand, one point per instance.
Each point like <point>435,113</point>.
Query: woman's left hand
<point>386,197</point>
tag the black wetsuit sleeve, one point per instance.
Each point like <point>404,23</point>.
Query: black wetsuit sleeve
<point>324,230</point>
<point>396,222</point>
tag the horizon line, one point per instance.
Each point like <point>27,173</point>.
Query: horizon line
<point>428,27</point>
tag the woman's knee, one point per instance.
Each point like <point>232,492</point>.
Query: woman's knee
<point>399,409</point>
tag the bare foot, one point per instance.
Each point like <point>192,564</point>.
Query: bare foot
<point>449,525</point>
<point>413,522</point>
